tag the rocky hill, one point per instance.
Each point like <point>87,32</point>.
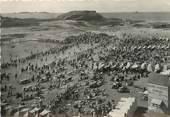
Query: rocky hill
<point>81,15</point>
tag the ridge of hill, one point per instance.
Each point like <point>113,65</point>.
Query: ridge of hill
<point>81,15</point>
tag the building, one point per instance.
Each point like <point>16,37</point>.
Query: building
<point>159,93</point>
<point>125,108</point>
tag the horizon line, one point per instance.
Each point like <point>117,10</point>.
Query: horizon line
<point>88,10</point>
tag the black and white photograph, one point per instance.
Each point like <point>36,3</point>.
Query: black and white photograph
<point>85,58</point>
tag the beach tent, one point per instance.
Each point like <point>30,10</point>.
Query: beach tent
<point>153,47</point>
<point>134,66</point>
<point>128,65</point>
<point>149,46</point>
<point>94,66</point>
<point>144,47</point>
<point>45,112</point>
<point>35,110</point>
<point>143,65</point>
<point>167,72</point>
<point>139,47</point>
<point>157,68</point>
<point>149,68</point>
<point>101,65</point>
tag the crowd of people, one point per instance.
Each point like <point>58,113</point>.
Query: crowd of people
<point>74,85</point>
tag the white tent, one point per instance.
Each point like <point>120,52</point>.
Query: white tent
<point>35,110</point>
<point>167,72</point>
<point>157,68</point>
<point>139,47</point>
<point>134,66</point>
<point>128,65</point>
<point>143,65</point>
<point>153,46</point>
<point>101,65</point>
<point>45,112</point>
<point>144,47</point>
<point>149,68</point>
<point>149,46</point>
<point>94,66</point>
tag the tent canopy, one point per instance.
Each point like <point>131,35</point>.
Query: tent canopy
<point>44,112</point>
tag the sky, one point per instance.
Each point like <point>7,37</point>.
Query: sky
<point>60,6</point>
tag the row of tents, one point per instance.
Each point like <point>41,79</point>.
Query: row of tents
<point>131,66</point>
<point>143,47</point>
